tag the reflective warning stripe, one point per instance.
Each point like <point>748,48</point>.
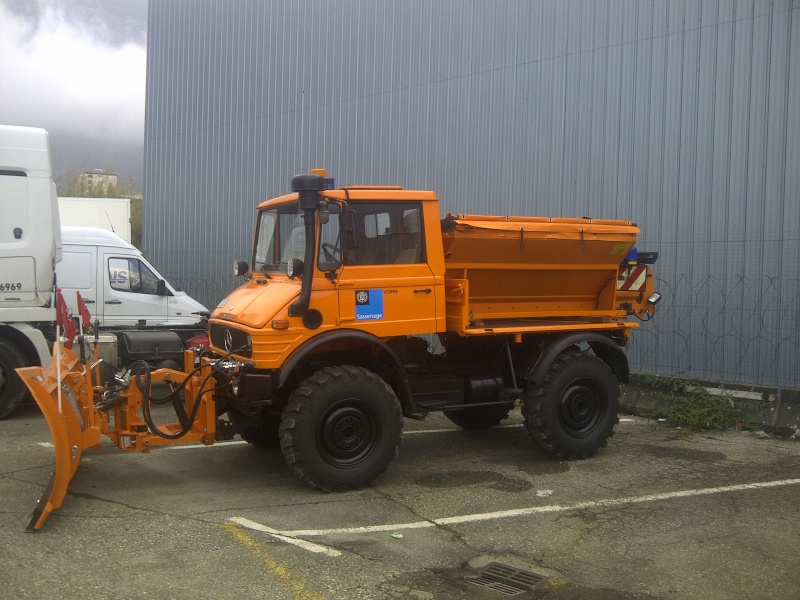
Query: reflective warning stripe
<point>635,280</point>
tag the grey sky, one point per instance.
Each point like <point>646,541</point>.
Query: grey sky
<point>77,68</point>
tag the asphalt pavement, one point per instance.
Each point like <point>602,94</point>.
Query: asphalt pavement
<point>660,513</point>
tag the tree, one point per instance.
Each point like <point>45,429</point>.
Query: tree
<point>136,221</point>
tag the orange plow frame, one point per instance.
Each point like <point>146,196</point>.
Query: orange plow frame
<point>77,417</point>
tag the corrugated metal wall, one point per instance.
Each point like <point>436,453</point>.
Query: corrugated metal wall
<point>683,115</point>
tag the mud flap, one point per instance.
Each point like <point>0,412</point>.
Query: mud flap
<point>70,420</point>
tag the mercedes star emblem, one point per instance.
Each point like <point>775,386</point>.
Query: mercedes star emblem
<point>228,340</point>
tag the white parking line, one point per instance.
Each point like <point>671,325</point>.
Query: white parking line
<point>241,442</point>
<point>505,514</point>
<point>193,446</point>
<point>615,501</point>
<point>198,446</point>
<point>304,544</point>
<point>455,429</point>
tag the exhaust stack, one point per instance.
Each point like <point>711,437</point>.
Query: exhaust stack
<point>308,188</point>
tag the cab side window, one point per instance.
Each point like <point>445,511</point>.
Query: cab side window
<point>131,275</point>
<point>388,233</point>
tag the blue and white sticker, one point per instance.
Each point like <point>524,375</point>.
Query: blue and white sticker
<point>369,305</point>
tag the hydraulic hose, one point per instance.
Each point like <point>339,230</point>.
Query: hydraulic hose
<point>146,399</point>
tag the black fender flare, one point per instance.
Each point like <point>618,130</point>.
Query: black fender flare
<point>606,349</point>
<point>403,386</point>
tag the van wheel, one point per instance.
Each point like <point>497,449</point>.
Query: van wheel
<point>12,389</point>
<point>481,417</point>
<point>341,428</point>
<point>572,413</point>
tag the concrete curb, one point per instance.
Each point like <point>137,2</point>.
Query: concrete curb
<point>777,409</point>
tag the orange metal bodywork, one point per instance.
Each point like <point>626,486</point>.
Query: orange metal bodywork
<point>486,275</point>
<point>531,274</point>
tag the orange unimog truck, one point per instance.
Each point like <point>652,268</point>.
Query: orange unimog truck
<point>362,306</point>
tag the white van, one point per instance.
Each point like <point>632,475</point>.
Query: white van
<point>118,285</point>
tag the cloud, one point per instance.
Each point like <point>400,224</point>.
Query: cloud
<point>80,77</point>
<point>109,21</point>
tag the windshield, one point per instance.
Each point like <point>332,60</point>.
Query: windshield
<point>280,236</point>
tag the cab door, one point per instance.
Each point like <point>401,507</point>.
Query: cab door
<point>130,293</point>
<point>385,285</point>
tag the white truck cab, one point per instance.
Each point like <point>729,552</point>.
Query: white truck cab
<point>30,245</point>
<point>119,286</point>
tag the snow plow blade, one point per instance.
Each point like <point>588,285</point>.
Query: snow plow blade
<point>78,414</point>
<point>66,418</point>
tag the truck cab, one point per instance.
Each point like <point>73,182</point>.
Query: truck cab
<point>30,245</point>
<point>372,268</point>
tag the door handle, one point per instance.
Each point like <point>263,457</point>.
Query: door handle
<point>88,301</point>
<point>425,291</point>
<point>113,301</point>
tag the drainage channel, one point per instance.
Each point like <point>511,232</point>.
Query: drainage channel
<point>505,580</point>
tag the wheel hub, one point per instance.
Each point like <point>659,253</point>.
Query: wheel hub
<point>580,408</point>
<point>347,434</point>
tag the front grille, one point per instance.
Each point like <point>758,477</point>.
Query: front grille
<point>231,340</point>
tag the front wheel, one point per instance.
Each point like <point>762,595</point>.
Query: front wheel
<point>341,427</point>
<point>573,412</point>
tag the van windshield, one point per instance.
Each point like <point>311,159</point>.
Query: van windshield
<point>280,236</point>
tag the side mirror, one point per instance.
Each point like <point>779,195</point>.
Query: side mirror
<point>240,268</point>
<point>161,288</point>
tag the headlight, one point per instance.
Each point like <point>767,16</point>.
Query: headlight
<point>294,268</point>
<point>240,267</point>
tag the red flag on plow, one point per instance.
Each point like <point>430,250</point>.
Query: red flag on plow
<point>86,317</point>
<point>63,319</point>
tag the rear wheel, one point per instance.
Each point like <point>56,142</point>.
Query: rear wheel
<point>341,428</point>
<point>480,417</point>
<point>573,412</point>
<point>12,389</point>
